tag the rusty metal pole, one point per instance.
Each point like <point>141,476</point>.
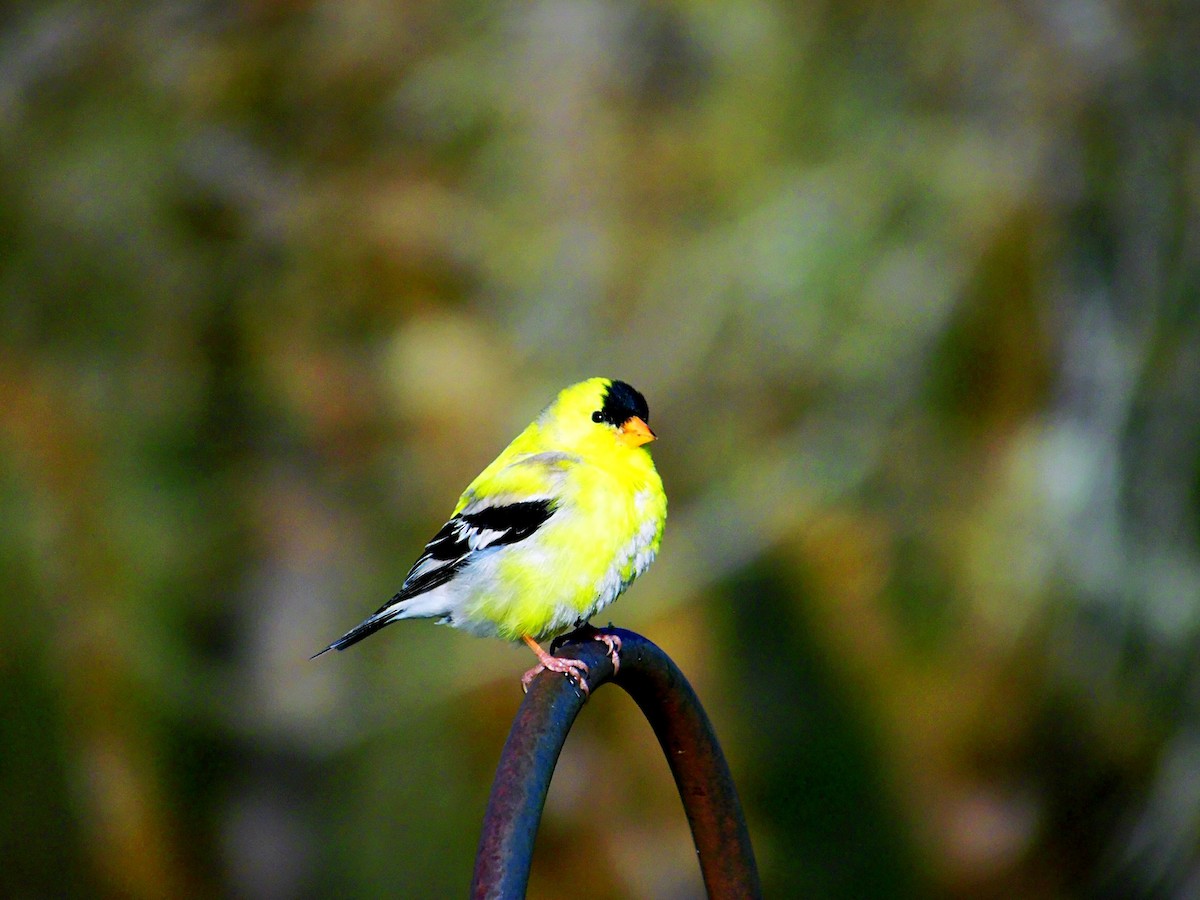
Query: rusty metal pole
<point>670,705</point>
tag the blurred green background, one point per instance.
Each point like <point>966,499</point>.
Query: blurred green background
<point>913,290</point>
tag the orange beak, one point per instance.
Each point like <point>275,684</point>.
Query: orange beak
<point>635,432</point>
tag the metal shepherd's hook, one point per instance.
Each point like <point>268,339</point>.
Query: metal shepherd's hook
<point>670,705</point>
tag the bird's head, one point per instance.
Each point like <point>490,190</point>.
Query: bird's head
<point>599,412</point>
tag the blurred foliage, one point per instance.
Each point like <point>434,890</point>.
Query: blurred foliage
<point>912,290</point>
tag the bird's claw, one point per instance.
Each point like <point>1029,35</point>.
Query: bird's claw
<point>589,631</point>
<point>575,669</point>
<point>613,643</point>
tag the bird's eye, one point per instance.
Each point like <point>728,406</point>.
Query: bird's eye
<point>597,416</point>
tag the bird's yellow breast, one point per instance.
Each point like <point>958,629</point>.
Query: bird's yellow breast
<point>605,531</point>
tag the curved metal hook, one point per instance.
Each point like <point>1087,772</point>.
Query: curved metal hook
<point>674,712</point>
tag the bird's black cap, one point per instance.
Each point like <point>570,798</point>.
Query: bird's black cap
<point>622,401</point>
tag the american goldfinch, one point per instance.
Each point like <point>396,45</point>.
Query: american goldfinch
<point>550,533</point>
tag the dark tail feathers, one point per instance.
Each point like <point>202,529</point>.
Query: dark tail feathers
<point>384,617</point>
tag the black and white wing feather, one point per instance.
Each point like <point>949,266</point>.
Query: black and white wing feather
<point>470,532</point>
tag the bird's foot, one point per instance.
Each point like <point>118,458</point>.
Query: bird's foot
<point>588,631</point>
<point>575,669</point>
<point>613,643</point>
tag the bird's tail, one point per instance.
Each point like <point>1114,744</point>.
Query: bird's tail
<point>386,616</point>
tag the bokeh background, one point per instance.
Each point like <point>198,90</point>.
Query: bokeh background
<point>912,289</point>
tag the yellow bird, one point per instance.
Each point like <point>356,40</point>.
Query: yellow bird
<point>550,533</point>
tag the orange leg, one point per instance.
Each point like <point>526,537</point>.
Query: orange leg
<point>575,669</point>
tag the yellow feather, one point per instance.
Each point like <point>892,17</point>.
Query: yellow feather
<point>514,573</point>
<point>606,491</point>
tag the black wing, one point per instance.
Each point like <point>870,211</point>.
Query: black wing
<point>466,533</point>
<point>491,526</point>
